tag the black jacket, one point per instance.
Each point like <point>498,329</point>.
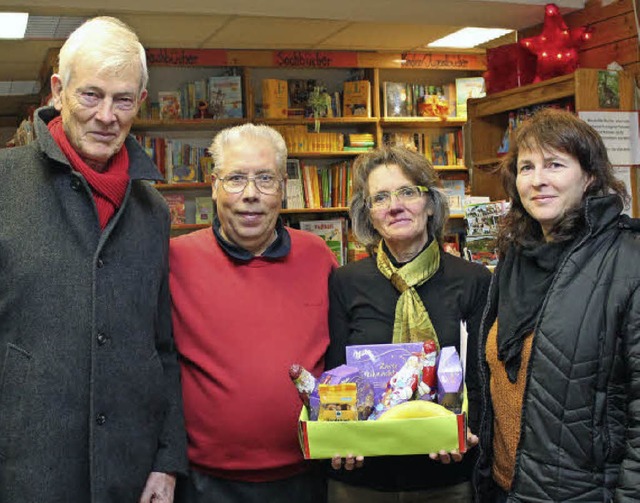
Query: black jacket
<point>580,423</point>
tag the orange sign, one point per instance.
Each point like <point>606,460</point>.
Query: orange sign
<point>186,57</point>
<point>430,61</point>
<point>315,59</point>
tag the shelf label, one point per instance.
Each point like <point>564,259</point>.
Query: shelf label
<point>186,57</point>
<point>315,59</point>
<point>442,61</point>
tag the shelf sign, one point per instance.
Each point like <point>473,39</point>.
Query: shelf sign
<point>186,57</point>
<point>432,61</point>
<point>315,59</point>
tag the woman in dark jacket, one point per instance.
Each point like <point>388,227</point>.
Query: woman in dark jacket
<point>559,362</point>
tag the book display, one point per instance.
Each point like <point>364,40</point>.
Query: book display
<point>350,100</point>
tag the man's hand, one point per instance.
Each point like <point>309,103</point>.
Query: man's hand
<point>159,488</point>
<point>350,462</point>
<point>446,457</point>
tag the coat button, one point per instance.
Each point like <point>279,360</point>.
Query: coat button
<point>102,339</point>
<point>101,419</point>
<point>75,184</point>
<point>100,263</point>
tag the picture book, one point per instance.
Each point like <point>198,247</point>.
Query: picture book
<point>225,97</point>
<point>204,210</point>
<point>356,99</point>
<point>299,90</point>
<point>482,230</point>
<point>395,99</point>
<point>274,98</point>
<point>169,104</point>
<point>333,232</point>
<point>468,87</point>
<point>176,208</point>
<point>454,190</point>
<point>206,168</point>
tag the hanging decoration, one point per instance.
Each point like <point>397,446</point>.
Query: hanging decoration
<point>556,48</point>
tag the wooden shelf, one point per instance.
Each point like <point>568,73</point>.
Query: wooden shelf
<point>422,122</point>
<point>188,227</point>
<point>454,167</point>
<point>337,153</point>
<point>310,121</point>
<point>340,209</point>
<point>185,124</point>
<point>182,186</point>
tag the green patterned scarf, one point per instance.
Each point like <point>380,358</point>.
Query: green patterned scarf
<point>412,322</point>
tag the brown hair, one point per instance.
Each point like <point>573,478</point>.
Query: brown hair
<point>562,131</point>
<point>415,167</point>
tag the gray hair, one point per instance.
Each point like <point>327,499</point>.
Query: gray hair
<point>107,40</point>
<point>249,132</point>
<point>418,169</point>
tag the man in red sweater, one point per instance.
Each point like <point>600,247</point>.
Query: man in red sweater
<point>250,298</point>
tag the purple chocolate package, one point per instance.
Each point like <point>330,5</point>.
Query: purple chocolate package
<point>340,375</point>
<point>450,379</point>
<point>379,362</point>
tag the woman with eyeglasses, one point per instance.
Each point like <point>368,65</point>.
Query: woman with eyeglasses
<point>409,290</point>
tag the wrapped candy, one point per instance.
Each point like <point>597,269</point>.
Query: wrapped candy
<point>427,387</point>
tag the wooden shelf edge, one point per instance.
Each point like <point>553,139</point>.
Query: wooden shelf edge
<point>182,186</point>
<point>188,227</point>
<point>310,121</point>
<point>453,167</point>
<point>184,124</point>
<point>339,209</point>
<point>422,122</point>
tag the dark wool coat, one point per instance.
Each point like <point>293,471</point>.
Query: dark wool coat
<point>580,428</point>
<point>89,380</point>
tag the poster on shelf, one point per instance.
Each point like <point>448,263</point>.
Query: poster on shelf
<point>620,133</point>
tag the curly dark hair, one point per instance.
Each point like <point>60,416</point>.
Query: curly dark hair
<point>564,132</point>
<point>416,168</point>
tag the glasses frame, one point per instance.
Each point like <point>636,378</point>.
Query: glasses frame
<point>394,193</point>
<point>279,184</point>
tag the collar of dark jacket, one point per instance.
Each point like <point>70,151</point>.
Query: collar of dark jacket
<point>141,167</point>
<point>602,212</point>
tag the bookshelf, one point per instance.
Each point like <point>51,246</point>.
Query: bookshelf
<point>488,118</point>
<point>253,67</point>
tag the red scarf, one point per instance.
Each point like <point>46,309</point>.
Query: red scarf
<point>108,187</point>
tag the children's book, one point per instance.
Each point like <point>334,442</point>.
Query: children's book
<point>468,87</point>
<point>333,232</point>
<point>454,190</point>
<point>225,96</point>
<point>169,104</point>
<point>176,208</point>
<point>395,99</point>
<point>356,99</point>
<point>204,210</point>
<point>274,98</point>
<point>294,189</point>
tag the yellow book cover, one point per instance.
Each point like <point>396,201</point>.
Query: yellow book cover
<point>356,100</point>
<point>274,98</point>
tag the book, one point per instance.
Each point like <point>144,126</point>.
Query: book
<point>332,231</point>
<point>395,99</point>
<point>169,102</point>
<point>454,191</point>
<point>274,99</point>
<point>467,87</point>
<point>294,191</point>
<point>176,208</point>
<point>356,99</point>
<point>204,210</point>
<point>225,97</point>
<point>299,90</point>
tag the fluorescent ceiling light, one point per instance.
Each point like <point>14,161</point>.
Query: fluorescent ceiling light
<point>469,37</point>
<point>13,24</point>
<point>19,87</point>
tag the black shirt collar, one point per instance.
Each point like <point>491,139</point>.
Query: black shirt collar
<point>278,249</point>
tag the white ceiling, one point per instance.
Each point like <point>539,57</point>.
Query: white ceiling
<point>366,25</point>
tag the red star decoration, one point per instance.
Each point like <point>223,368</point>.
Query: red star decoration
<point>557,46</point>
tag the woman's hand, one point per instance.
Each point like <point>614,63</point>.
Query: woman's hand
<point>446,457</point>
<point>351,462</point>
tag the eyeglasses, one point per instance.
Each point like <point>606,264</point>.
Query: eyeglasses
<point>382,200</point>
<point>266,183</point>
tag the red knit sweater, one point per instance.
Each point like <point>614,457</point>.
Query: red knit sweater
<point>238,327</point>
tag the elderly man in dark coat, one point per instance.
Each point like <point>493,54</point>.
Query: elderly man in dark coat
<point>90,404</point>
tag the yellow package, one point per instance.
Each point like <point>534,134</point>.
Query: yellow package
<point>338,402</point>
